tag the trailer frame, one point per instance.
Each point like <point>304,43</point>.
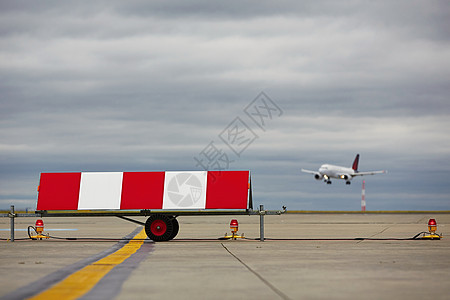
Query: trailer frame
<point>124,214</point>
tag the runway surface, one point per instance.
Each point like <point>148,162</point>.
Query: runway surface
<point>314,256</point>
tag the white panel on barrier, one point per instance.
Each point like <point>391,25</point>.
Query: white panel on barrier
<point>100,190</point>
<point>185,190</point>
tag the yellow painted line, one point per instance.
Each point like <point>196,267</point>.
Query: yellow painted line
<point>82,281</point>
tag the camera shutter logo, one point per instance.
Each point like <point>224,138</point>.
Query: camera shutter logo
<point>185,189</point>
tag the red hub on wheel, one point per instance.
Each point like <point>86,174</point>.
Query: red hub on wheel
<point>158,227</point>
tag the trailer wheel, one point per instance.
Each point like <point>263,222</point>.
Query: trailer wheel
<point>176,228</point>
<point>159,227</point>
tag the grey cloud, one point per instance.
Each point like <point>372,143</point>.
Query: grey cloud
<point>144,85</point>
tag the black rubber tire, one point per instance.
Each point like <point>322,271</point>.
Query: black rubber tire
<point>159,227</point>
<point>176,228</point>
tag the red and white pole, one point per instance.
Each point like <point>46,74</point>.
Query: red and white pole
<point>363,196</point>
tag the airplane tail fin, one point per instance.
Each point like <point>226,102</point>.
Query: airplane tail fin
<point>355,163</point>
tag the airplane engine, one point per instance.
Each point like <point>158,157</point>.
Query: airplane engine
<point>318,176</point>
<point>345,177</point>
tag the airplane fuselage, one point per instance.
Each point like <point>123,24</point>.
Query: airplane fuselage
<point>327,171</point>
<point>333,171</point>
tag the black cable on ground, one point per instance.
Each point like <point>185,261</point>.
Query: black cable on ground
<point>343,239</point>
<point>417,235</point>
<point>76,239</point>
<point>73,238</point>
<point>97,239</point>
<point>221,238</point>
<point>29,233</point>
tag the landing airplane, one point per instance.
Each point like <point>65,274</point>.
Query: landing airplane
<point>327,171</point>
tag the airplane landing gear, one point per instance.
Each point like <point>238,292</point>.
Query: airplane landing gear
<point>347,182</point>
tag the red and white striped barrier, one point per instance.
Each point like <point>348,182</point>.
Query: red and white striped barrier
<point>144,190</point>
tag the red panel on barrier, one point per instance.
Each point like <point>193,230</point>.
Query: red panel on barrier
<point>142,190</point>
<point>227,190</point>
<point>59,191</point>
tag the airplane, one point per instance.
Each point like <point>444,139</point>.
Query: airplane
<point>328,171</point>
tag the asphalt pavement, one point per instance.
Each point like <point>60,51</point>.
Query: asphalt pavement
<point>306,256</point>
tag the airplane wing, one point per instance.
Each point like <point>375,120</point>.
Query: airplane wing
<point>369,173</point>
<point>310,172</point>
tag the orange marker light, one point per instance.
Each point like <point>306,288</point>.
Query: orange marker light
<point>432,226</point>
<point>39,226</point>
<point>234,225</point>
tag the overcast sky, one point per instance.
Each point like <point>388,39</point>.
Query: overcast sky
<point>153,85</point>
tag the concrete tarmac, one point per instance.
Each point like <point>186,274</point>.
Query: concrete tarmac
<point>321,264</point>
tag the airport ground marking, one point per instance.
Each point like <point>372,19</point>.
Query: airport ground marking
<point>82,281</point>
<point>267,283</point>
